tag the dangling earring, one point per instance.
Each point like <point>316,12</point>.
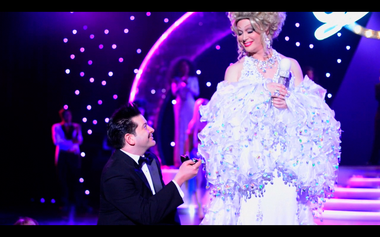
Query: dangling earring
<point>267,41</point>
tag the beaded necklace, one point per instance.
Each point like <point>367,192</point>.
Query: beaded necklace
<point>263,65</point>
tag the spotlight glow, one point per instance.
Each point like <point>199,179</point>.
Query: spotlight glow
<point>363,31</point>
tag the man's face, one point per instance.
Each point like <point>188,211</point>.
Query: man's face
<point>144,133</point>
<point>67,117</point>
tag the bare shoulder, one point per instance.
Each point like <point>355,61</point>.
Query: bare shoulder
<point>296,70</point>
<point>233,71</point>
<point>54,126</point>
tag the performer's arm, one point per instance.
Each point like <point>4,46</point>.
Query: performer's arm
<point>194,87</point>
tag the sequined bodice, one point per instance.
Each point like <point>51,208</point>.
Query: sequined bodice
<point>252,68</point>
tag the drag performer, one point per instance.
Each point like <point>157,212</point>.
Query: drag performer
<point>271,150</point>
<point>185,88</point>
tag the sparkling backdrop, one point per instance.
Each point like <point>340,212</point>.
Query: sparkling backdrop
<point>101,62</point>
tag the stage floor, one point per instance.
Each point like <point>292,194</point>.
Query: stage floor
<point>52,216</point>
<point>348,177</point>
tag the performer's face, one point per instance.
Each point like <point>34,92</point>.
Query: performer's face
<point>144,133</point>
<point>184,67</point>
<point>248,37</point>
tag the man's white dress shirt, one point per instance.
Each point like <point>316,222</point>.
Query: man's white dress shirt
<point>146,172</point>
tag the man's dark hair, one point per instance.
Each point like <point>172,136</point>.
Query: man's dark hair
<point>120,124</point>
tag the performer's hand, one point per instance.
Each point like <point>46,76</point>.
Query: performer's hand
<point>277,90</point>
<point>183,84</point>
<point>278,93</point>
<point>279,103</point>
<point>187,170</point>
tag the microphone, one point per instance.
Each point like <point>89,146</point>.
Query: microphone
<point>284,73</point>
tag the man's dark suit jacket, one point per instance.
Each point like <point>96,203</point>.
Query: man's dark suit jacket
<point>126,197</point>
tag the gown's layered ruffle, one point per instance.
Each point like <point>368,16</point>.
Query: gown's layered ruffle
<point>246,140</point>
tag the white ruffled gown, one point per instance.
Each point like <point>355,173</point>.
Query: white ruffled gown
<point>265,165</point>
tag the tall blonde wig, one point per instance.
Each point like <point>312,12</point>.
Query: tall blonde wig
<point>267,24</point>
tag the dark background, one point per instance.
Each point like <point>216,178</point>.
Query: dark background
<point>34,85</point>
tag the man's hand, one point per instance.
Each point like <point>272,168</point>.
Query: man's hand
<point>187,170</point>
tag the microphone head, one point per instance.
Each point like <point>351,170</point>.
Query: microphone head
<point>284,68</point>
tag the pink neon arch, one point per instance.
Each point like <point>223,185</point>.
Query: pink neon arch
<point>152,51</point>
